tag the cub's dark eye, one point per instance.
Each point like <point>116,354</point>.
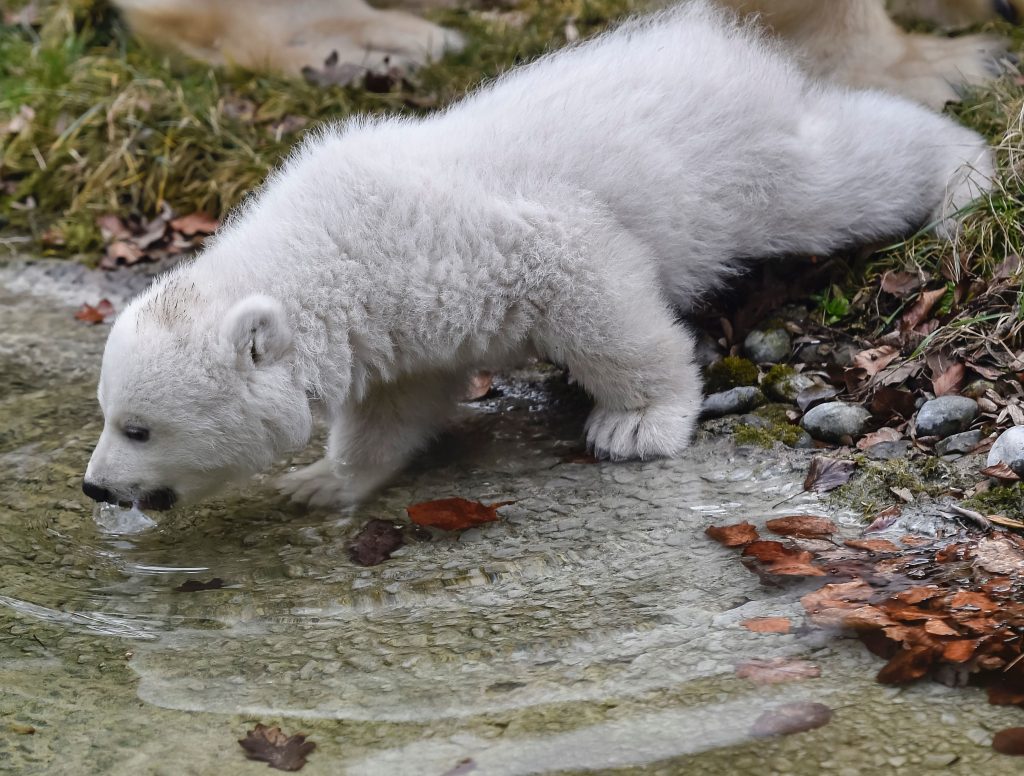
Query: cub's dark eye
<point>136,433</point>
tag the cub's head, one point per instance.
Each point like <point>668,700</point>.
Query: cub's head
<point>194,397</point>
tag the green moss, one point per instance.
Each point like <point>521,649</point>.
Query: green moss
<point>778,373</point>
<point>924,477</point>
<point>779,428</point>
<point>1007,501</point>
<point>730,372</point>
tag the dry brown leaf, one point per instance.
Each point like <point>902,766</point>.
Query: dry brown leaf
<point>884,434</point>
<point>98,314</point>
<point>921,309</point>
<point>270,745</point>
<point>791,718</point>
<point>734,535</point>
<point>479,386</point>
<point>949,381</point>
<point>889,402</point>
<point>959,651</point>
<point>195,223</point>
<point>998,556</point>
<point>777,670</point>
<point>826,474</point>
<point>908,665</point>
<point>802,526</point>
<point>768,624</point>
<point>1006,522</point>
<point>940,628</point>
<point>874,360</point>
<point>121,252</point>
<point>900,283</point>
<point>454,514</point>
<point>1001,471</point>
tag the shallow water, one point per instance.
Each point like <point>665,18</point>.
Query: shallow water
<point>593,628</point>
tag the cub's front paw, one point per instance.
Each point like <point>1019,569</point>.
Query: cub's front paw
<point>324,484</point>
<point>657,431</point>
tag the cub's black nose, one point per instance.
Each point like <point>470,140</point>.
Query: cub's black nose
<point>96,492</point>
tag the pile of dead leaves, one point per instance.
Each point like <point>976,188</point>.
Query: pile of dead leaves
<point>132,240</point>
<point>951,608</point>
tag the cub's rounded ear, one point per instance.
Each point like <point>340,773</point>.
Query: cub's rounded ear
<point>256,330</point>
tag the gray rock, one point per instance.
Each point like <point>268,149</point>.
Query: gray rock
<point>767,347</point>
<point>1009,449</point>
<point>888,451</point>
<point>944,416</point>
<point>804,442</point>
<point>958,443</point>
<point>732,402</point>
<point>832,421</point>
<point>787,388</point>
<point>755,421</point>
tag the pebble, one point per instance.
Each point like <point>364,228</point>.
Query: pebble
<point>961,443</point>
<point>1009,449</point>
<point>888,451</point>
<point>767,347</point>
<point>832,421</point>
<point>945,415</point>
<point>787,388</point>
<point>732,402</point>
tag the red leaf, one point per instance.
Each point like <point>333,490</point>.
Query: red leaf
<point>872,545</point>
<point>768,624</point>
<point>777,558</point>
<point>98,314</point>
<point>735,535</point>
<point>454,514</point>
<point>1009,741</point>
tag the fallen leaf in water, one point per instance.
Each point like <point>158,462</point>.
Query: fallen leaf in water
<point>883,519</point>
<point>21,730</point>
<point>791,718</point>
<point>195,223</point>
<point>768,624</point>
<point>98,314</point>
<point>270,745</point>
<point>375,543</point>
<point>1009,741</point>
<point>195,585</point>
<point>826,474</point>
<point>802,526</point>
<point>454,514</point>
<point>777,558</point>
<point>908,665</point>
<point>777,670</point>
<point>734,535</point>
<point>872,545</point>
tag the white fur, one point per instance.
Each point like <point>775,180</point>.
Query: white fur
<point>564,211</point>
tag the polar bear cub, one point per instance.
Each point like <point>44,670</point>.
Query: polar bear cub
<point>567,210</point>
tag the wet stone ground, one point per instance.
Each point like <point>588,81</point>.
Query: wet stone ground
<point>594,628</point>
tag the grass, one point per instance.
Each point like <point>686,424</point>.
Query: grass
<point>117,128</point>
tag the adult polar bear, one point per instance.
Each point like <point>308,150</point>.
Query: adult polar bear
<point>563,210</point>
